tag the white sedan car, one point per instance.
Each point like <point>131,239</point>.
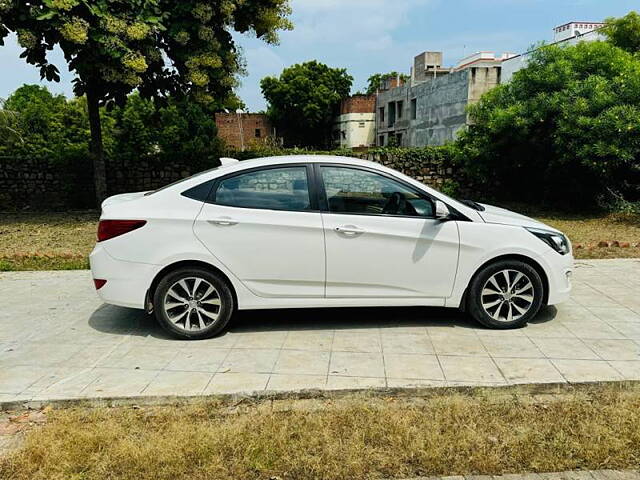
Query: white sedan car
<point>320,231</point>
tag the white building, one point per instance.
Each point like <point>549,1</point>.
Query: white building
<point>355,126</point>
<point>568,34</point>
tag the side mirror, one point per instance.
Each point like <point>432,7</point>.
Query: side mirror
<point>442,211</point>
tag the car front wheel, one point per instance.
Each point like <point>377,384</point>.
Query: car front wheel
<point>506,294</point>
<point>193,303</point>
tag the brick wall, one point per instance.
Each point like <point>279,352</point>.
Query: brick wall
<point>358,104</point>
<point>255,128</point>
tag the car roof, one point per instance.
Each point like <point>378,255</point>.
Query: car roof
<point>286,159</point>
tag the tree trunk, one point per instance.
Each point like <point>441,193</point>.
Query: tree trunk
<point>95,147</point>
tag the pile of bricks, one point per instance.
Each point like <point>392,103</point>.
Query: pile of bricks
<point>606,244</point>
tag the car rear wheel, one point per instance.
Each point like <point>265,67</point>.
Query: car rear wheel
<point>193,303</point>
<point>506,294</point>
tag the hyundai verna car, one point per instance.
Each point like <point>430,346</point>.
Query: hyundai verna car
<point>320,231</point>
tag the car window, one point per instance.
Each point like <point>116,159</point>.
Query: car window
<point>275,189</point>
<point>350,190</point>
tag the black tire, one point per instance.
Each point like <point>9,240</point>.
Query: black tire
<point>224,310</point>
<point>481,280</point>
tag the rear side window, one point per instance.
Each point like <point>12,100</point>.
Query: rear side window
<point>284,188</point>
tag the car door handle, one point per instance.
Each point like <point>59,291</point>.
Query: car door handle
<point>223,221</point>
<point>349,230</point>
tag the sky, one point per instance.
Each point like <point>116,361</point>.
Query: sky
<point>371,36</point>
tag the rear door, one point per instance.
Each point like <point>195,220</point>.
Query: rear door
<point>264,225</point>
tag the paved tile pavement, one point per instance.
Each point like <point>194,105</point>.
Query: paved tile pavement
<point>572,475</point>
<point>57,341</point>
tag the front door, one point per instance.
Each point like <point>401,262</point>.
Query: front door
<point>382,239</point>
<point>263,226</point>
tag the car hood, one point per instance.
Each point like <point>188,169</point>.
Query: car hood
<point>123,197</point>
<point>492,214</point>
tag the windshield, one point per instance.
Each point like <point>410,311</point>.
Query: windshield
<point>181,180</point>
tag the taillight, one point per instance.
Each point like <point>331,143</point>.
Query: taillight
<point>99,283</point>
<point>112,228</point>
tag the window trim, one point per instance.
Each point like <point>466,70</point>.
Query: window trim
<point>311,187</point>
<point>324,204</point>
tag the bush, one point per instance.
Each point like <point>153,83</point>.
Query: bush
<point>565,130</point>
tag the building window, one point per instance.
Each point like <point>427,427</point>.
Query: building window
<point>399,109</point>
<point>381,141</point>
<point>258,133</point>
<point>391,120</point>
<point>399,139</point>
<point>381,114</point>
<point>361,124</point>
<point>414,109</point>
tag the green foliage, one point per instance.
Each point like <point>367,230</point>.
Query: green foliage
<point>57,129</point>
<point>47,126</point>
<point>303,100</point>
<point>566,128</point>
<point>624,32</point>
<point>374,81</point>
<point>182,130</point>
<point>115,46</point>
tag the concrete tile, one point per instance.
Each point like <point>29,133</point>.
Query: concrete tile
<point>516,347</point>
<point>296,382</point>
<point>129,356</point>
<point>628,329</point>
<point>572,348</point>
<point>250,361</point>
<point>116,382</point>
<point>593,329</point>
<point>393,342</point>
<point>356,364</point>
<point>309,340</point>
<point>63,380</point>
<point>470,369</point>
<point>16,379</point>
<point>630,370</point>
<point>336,382</point>
<point>459,345</point>
<point>615,474</point>
<point>551,329</point>
<point>237,383</point>
<point>615,314</point>
<point>89,355</point>
<point>586,370</point>
<point>575,475</point>
<point>530,370</point>
<point>414,383</point>
<point>271,340</point>
<point>348,341</point>
<point>225,340</point>
<point>302,362</point>
<point>412,366</point>
<point>38,354</point>
<point>615,349</point>
<point>178,383</point>
<point>198,360</point>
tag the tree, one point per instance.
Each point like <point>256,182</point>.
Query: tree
<point>566,129</point>
<point>375,80</point>
<point>303,100</point>
<point>624,32</point>
<point>182,129</point>
<point>159,47</point>
<point>49,126</point>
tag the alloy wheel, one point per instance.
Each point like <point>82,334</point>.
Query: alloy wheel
<point>508,295</point>
<point>192,304</point>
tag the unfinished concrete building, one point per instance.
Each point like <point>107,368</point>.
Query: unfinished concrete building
<point>431,108</point>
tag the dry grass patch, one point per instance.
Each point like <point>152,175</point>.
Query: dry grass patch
<point>593,229</point>
<point>46,241</point>
<point>63,241</point>
<point>357,436</point>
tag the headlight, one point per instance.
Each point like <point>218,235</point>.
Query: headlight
<point>555,240</point>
